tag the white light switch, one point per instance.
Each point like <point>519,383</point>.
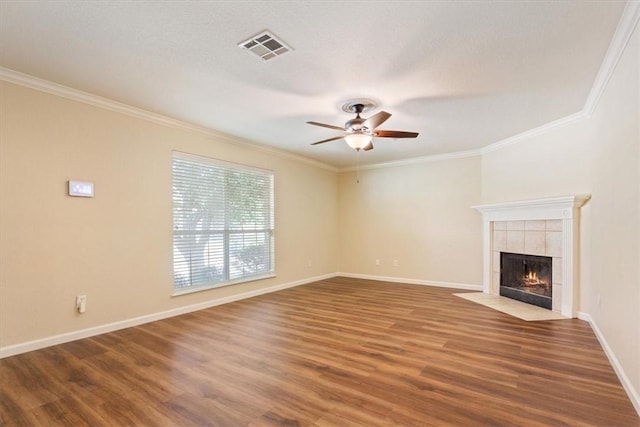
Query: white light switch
<point>80,189</point>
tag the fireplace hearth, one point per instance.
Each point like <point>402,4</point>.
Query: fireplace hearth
<point>526,278</point>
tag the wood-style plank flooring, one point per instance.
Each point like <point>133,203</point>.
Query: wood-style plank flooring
<point>340,352</point>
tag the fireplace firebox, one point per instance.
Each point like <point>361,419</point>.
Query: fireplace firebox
<point>526,278</point>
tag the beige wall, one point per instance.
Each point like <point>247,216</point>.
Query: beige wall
<point>555,163</point>
<point>417,214</point>
<point>600,156</point>
<point>116,248</point>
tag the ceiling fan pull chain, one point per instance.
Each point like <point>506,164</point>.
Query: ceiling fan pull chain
<point>358,167</point>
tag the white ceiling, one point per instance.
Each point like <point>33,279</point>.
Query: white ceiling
<point>464,74</point>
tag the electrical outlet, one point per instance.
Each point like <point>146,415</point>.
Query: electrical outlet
<point>377,262</point>
<point>395,263</point>
<point>308,263</point>
<point>81,303</point>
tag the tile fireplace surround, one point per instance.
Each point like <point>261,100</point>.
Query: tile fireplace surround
<point>547,227</point>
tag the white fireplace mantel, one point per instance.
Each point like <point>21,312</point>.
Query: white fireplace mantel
<point>565,208</point>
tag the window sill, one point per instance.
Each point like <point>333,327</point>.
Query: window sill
<point>193,289</point>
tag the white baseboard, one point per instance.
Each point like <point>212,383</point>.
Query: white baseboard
<point>626,383</point>
<point>466,286</point>
<point>110,327</point>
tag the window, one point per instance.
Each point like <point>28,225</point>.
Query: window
<point>222,223</point>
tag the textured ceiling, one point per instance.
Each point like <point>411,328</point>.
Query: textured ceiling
<point>463,74</point>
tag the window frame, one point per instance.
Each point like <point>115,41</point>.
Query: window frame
<point>226,168</point>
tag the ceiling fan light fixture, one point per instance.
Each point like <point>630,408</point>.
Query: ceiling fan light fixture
<point>359,132</point>
<point>357,140</point>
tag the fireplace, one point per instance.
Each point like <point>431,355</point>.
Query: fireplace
<point>542,227</point>
<point>526,278</point>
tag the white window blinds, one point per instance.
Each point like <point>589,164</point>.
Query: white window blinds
<point>223,230</point>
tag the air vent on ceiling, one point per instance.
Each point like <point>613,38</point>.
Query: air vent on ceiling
<point>265,45</point>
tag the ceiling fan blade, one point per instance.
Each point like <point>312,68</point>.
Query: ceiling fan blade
<point>395,134</point>
<point>326,126</point>
<point>335,138</point>
<point>368,147</point>
<point>376,120</point>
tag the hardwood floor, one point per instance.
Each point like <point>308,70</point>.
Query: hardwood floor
<point>340,352</point>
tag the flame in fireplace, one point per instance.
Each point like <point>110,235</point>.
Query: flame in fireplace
<point>531,279</point>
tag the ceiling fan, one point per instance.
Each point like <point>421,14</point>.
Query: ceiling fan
<point>359,132</point>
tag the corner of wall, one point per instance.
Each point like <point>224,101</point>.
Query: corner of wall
<point>617,367</point>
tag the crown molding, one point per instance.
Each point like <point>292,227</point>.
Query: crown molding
<point>624,31</point>
<point>534,132</point>
<point>42,85</point>
<point>415,160</point>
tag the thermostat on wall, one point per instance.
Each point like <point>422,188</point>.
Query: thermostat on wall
<point>80,189</point>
